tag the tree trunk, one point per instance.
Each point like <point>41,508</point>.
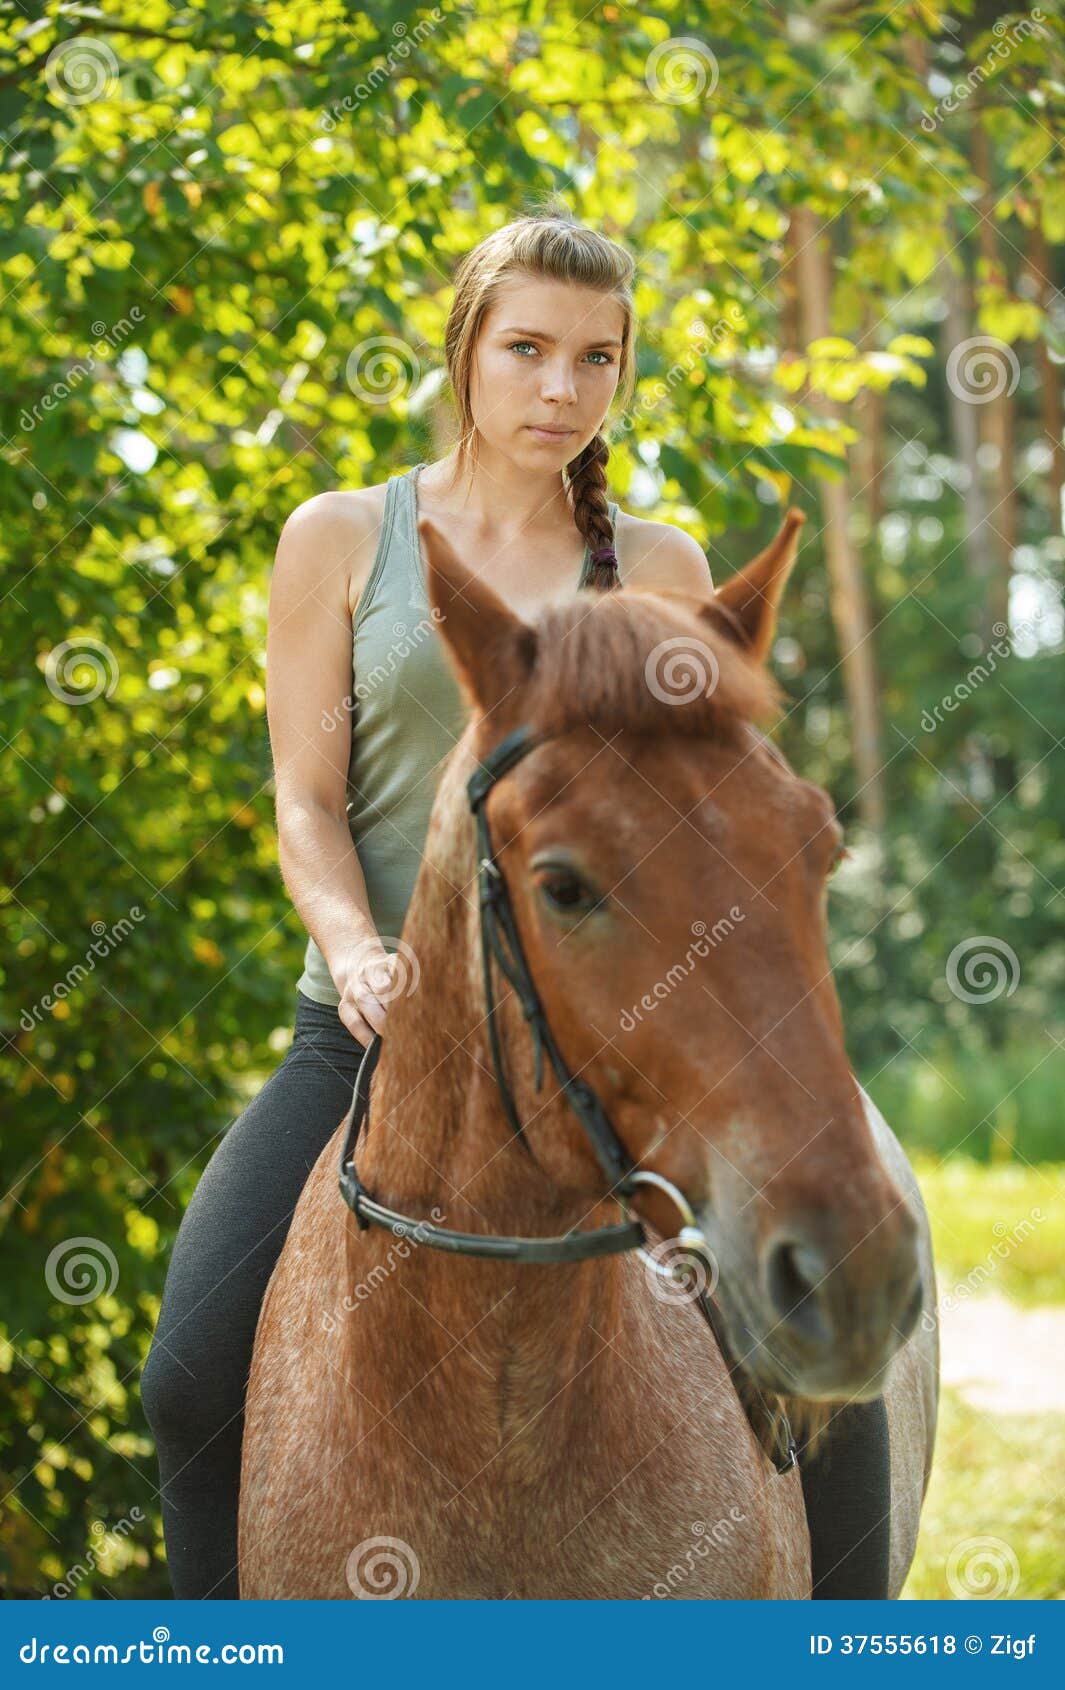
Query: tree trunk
<point>965,423</point>
<point>850,607</point>
<point>996,416</point>
<point>1050,375</point>
<point>986,774</point>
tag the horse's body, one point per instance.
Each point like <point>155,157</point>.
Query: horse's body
<point>512,1430</point>
<point>599,1452</point>
<point>576,1443</point>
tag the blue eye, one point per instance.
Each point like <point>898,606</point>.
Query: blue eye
<point>595,353</point>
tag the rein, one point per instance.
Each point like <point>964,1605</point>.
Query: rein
<point>498,925</point>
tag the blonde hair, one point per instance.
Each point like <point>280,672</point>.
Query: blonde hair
<point>548,242</point>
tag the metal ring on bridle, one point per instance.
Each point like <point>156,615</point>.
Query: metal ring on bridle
<point>691,1235</point>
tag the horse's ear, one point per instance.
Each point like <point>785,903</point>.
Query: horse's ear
<point>745,608</point>
<point>491,650</point>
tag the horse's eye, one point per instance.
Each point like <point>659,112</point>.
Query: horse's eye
<point>566,891</point>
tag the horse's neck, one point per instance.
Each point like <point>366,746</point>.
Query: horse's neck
<point>439,1148</point>
<point>507,1340</point>
<point>437,1133</point>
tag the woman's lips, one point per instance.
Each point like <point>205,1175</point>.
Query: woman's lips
<point>551,433</point>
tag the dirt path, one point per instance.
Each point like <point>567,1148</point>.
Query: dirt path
<point>1002,1357</point>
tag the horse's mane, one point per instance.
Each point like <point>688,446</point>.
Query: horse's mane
<point>590,663</point>
<point>645,663</point>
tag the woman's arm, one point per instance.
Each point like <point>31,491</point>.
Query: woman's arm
<point>320,554</point>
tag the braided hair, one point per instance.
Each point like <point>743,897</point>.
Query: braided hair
<point>588,486</point>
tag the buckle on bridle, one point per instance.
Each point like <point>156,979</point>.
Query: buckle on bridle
<point>491,880</point>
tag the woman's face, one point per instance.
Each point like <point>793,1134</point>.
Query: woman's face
<point>548,353</point>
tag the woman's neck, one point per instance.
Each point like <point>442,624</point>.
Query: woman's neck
<point>497,499</point>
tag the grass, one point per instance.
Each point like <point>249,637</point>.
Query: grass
<point>991,1523</point>
<point>1000,1226</point>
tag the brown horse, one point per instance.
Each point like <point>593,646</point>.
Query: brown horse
<point>426,1424</point>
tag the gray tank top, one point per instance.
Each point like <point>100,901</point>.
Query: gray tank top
<point>408,715</point>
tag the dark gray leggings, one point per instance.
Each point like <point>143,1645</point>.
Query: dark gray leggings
<point>194,1379</point>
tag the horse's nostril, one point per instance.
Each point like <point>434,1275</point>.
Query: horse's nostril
<point>913,1307</point>
<point>794,1273</point>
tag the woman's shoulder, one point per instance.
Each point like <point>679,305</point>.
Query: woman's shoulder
<point>659,554</point>
<point>336,531</point>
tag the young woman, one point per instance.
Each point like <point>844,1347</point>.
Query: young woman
<point>539,344</point>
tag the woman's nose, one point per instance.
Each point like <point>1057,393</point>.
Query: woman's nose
<point>558,384</point>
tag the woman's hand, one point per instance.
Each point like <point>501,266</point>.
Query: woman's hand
<point>365,978</point>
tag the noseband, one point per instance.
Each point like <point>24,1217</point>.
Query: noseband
<point>499,936</point>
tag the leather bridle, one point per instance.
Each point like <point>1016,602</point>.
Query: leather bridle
<point>500,939</point>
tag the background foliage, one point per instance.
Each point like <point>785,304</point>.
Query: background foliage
<point>225,252</point>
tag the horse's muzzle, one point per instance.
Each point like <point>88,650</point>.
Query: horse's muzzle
<point>813,1320</point>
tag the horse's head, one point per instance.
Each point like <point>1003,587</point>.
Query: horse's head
<point>667,870</point>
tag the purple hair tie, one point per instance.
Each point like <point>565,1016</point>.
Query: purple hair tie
<point>605,554</point>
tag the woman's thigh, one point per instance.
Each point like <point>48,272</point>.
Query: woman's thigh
<point>238,1217</point>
